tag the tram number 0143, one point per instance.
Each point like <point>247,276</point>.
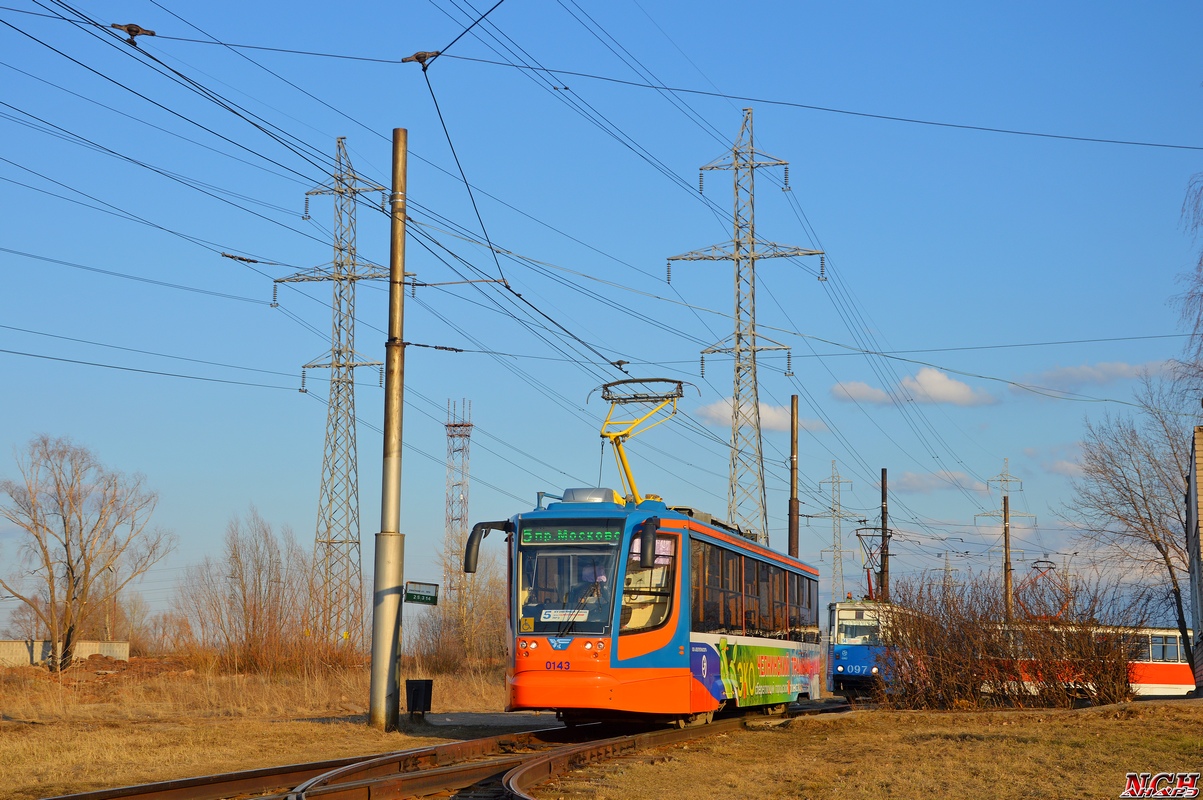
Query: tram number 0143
<point>557,665</point>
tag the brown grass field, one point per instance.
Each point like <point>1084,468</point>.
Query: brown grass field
<point>106,724</point>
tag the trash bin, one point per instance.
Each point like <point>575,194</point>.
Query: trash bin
<point>417,696</point>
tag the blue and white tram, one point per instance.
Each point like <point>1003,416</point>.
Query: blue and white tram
<point>854,647</point>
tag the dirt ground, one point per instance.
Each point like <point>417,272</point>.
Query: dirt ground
<point>106,723</point>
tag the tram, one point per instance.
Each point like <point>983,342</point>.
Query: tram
<point>621,606</point>
<point>1157,665</point>
<point>853,648</point>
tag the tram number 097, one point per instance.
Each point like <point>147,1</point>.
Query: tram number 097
<point>557,665</point>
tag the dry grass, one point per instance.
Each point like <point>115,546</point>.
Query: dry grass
<point>990,754</point>
<point>155,720</point>
<point>103,689</point>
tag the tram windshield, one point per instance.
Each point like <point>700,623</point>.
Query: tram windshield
<point>857,627</point>
<point>566,577</point>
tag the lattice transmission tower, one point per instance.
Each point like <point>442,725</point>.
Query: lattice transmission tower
<point>746,497</point>
<point>455,536</point>
<point>336,543</point>
<point>837,532</point>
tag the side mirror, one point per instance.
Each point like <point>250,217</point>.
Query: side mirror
<point>647,542</point>
<point>479,531</point>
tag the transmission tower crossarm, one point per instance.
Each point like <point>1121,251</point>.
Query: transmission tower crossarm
<point>324,273</point>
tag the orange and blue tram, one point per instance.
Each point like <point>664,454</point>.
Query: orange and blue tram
<point>622,609</point>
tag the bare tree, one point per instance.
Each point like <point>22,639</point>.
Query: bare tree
<point>467,628</point>
<point>252,610</point>
<point>1190,302</point>
<point>87,536</point>
<point>1127,502</point>
<point>24,623</point>
<point>946,646</point>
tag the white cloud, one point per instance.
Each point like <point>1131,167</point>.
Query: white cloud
<point>856,391</point>
<point>1062,459</point>
<point>1069,378</point>
<point>927,482</point>
<point>931,385</point>
<point>1070,469</point>
<point>772,418</point>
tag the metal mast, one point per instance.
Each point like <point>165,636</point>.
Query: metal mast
<point>336,543</point>
<point>1005,480</point>
<point>746,498</point>
<point>837,534</point>
<point>455,536</point>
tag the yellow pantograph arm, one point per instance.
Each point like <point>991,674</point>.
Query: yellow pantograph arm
<point>626,428</point>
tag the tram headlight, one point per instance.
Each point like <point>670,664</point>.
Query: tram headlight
<point>601,645</point>
<point>522,643</point>
<point>875,670</point>
<point>839,668</point>
<point>588,645</point>
<point>533,645</point>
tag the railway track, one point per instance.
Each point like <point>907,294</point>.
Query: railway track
<point>492,768</point>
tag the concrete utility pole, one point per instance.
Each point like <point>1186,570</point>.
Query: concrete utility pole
<point>746,497</point>
<point>1005,480</point>
<point>336,542</point>
<point>885,540</point>
<point>794,510</point>
<point>390,542</point>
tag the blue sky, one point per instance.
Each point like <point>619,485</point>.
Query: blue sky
<point>978,260</point>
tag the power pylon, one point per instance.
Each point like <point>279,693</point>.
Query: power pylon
<point>455,536</point>
<point>746,497</point>
<point>336,543</point>
<point>837,532</point>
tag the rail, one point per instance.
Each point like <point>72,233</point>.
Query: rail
<point>500,767</point>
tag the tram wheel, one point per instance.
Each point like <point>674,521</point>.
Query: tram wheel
<point>694,720</point>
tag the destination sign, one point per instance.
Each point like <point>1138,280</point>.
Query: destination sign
<point>570,535</point>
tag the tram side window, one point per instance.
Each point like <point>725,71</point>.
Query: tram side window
<point>780,604</point>
<point>697,584</point>
<point>732,593</point>
<point>764,623</point>
<point>796,597</point>
<point>1165,648</point>
<point>708,581</point>
<point>1138,646</point>
<point>647,593</point>
<point>751,598</point>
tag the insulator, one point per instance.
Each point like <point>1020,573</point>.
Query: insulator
<point>413,289</point>
<point>384,202</point>
<point>303,389</point>
<point>668,272</point>
<point>306,214</point>
<point>381,371</point>
<point>701,176</point>
<point>787,176</point>
<point>703,366</point>
<point>275,293</point>
<point>789,363</point>
<point>822,267</point>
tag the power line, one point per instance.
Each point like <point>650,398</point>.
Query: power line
<point>147,371</point>
<point>844,111</point>
<point>677,90</point>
